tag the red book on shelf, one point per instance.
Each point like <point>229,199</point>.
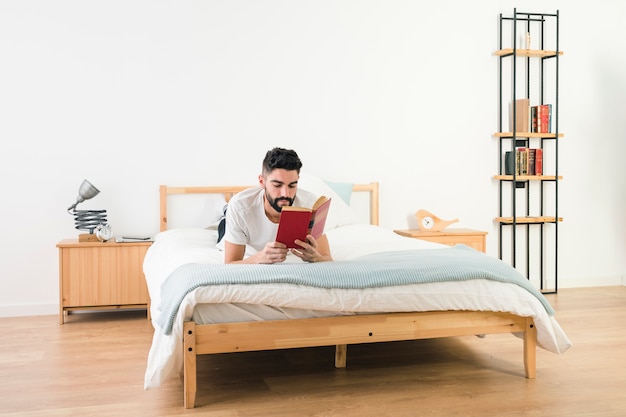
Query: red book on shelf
<point>298,222</point>
<point>540,117</point>
<point>543,118</point>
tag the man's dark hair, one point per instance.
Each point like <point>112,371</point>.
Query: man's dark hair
<point>280,158</point>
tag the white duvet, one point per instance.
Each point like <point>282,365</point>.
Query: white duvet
<point>229,303</point>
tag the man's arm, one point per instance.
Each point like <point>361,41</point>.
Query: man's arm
<point>273,252</point>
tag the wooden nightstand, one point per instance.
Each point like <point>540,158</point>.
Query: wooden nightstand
<point>472,238</point>
<point>101,275</point>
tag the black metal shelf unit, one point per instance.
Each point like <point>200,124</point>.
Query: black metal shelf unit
<point>528,218</point>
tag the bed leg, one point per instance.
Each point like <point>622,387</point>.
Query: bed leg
<point>530,349</point>
<point>189,367</point>
<point>341,355</point>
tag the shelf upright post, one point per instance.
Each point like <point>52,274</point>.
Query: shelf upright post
<point>527,70</point>
<point>514,144</point>
<point>556,163</point>
<point>542,184</point>
<point>500,170</point>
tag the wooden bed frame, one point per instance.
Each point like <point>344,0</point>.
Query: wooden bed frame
<point>339,331</point>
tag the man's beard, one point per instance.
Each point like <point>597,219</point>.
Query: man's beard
<point>274,202</point>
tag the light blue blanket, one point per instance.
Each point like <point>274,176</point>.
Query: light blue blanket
<point>459,263</point>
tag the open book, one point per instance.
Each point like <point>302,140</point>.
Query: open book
<point>298,222</point>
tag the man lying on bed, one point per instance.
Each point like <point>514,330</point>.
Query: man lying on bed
<point>253,214</point>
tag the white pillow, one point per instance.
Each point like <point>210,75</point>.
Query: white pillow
<point>214,209</point>
<point>363,239</point>
<point>340,213</point>
<point>195,210</point>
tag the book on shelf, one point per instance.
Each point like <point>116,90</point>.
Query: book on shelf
<point>530,161</point>
<point>524,161</point>
<point>298,222</point>
<point>514,162</point>
<point>541,118</point>
<point>521,115</point>
<point>538,161</point>
<point>509,163</point>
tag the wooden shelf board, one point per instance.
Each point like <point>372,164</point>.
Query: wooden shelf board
<point>528,177</point>
<point>528,220</point>
<point>531,53</point>
<point>527,135</point>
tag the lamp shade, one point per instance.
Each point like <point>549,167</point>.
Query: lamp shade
<point>86,191</point>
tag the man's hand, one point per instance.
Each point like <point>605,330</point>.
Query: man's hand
<point>313,250</point>
<point>274,252</point>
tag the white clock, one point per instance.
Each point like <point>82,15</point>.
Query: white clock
<point>426,221</point>
<point>103,232</point>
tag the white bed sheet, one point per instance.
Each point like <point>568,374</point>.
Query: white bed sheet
<point>230,303</point>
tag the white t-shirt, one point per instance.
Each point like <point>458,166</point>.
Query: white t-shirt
<point>246,222</point>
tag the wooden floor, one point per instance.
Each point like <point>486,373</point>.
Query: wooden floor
<point>93,366</point>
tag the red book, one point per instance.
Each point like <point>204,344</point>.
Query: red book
<point>538,161</point>
<point>298,222</point>
<point>540,118</point>
<point>543,118</point>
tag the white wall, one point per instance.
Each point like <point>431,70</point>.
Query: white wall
<point>133,94</point>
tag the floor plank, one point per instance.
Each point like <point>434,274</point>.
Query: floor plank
<point>93,366</point>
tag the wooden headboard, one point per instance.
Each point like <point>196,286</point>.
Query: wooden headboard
<point>230,191</point>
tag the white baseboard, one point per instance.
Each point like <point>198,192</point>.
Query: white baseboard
<point>580,282</point>
<point>21,310</point>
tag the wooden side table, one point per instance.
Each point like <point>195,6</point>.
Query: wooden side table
<point>101,276</point>
<point>473,238</point>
